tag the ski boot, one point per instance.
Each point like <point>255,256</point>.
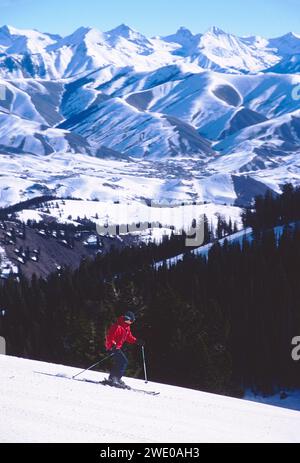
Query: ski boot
<point>112,381</point>
<point>123,385</point>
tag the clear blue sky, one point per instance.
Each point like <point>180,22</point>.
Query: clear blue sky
<point>269,18</point>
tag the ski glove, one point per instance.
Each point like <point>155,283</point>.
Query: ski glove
<point>113,350</point>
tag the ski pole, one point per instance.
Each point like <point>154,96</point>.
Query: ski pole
<point>144,362</point>
<point>92,366</point>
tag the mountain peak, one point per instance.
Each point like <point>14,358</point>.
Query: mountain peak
<point>78,36</point>
<point>183,31</point>
<point>20,41</point>
<point>183,37</point>
<point>288,36</point>
<point>287,44</point>
<point>122,30</point>
<point>117,35</point>
<point>10,30</point>
<point>82,31</point>
<point>294,35</point>
<point>214,30</point>
<point>123,27</point>
<point>5,28</point>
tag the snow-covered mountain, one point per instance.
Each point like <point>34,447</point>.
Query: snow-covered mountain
<point>288,44</point>
<point>221,51</point>
<point>288,65</point>
<point>23,136</point>
<point>30,53</point>
<point>198,107</point>
<point>39,407</point>
<point>20,41</point>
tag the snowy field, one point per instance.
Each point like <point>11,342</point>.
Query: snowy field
<point>41,408</point>
<point>86,177</point>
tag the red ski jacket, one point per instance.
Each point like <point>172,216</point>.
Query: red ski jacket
<point>119,333</point>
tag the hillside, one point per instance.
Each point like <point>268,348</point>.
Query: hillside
<point>41,408</point>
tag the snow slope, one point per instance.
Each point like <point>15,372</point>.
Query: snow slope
<point>235,238</point>
<point>107,213</point>
<point>41,408</point>
<point>127,110</point>
<point>19,136</point>
<point>203,251</point>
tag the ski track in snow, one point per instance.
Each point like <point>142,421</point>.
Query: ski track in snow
<point>39,408</point>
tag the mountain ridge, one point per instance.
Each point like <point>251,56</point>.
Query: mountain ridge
<point>214,49</point>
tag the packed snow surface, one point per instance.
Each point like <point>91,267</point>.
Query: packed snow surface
<point>42,408</point>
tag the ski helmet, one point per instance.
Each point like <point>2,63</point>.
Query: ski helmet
<point>130,316</point>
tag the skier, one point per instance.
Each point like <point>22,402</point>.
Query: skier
<point>117,335</point>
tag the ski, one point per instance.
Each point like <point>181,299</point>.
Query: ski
<point>128,388</point>
<point>154,393</point>
<point>103,383</point>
